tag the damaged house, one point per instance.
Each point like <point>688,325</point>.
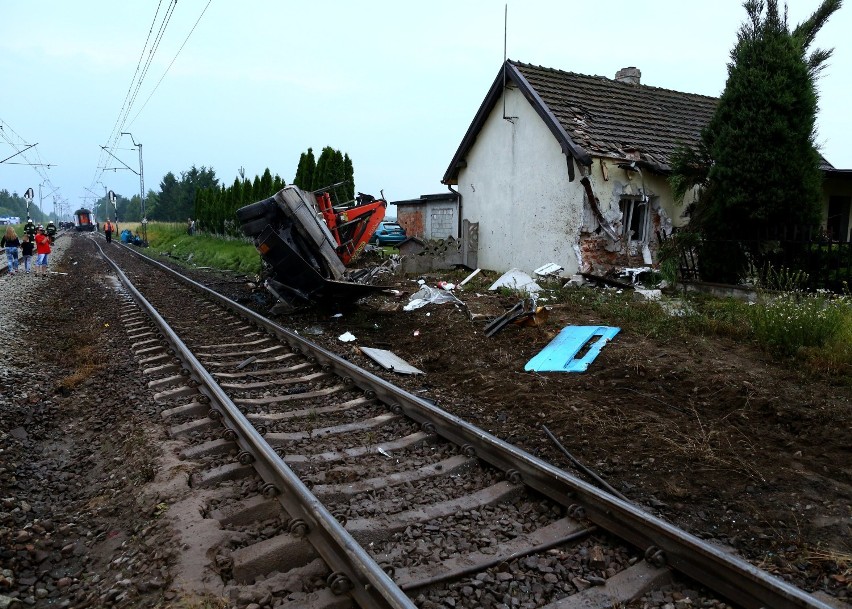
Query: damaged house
<point>572,169</point>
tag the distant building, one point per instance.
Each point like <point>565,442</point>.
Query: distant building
<point>430,217</point>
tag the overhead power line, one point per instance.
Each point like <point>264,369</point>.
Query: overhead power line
<point>172,62</point>
<point>143,65</point>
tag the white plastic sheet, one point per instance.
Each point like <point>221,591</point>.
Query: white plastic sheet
<point>426,295</point>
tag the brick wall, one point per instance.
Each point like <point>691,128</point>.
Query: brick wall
<point>411,218</point>
<point>599,253</point>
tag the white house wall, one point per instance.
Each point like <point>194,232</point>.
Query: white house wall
<point>516,186</point>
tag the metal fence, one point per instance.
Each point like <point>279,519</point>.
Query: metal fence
<point>827,262</point>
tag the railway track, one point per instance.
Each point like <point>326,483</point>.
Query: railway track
<point>336,488</point>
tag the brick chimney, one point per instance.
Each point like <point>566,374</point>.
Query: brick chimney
<point>629,75</point>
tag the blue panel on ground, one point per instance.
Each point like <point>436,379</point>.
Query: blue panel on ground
<point>559,354</point>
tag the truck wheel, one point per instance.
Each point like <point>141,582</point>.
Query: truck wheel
<point>261,209</point>
<point>254,227</point>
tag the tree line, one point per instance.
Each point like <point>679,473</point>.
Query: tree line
<point>12,204</point>
<point>198,194</point>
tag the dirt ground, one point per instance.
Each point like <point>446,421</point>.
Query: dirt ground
<point>708,433</point>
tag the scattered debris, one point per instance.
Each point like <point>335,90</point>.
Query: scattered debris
<point>642,294</point>
<point>525,313</point>
<point>575,282</point>
<point>561,354</point>
<point>533,318</point>
<point>634,273</point>
<point>446,285</point>
<point>551,269</point>
<point>590,472</point>
<point>246,362</point>
<point>500,322</point>
<point>469,277</point>
<point>426,295</point>
<point>516,279</point>
<point>390,361</point>
<point>613,283</point>
<point>383,452</point>
<point>347,337</point>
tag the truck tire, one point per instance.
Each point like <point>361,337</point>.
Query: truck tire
<point>262,209</point>
<point>254,227</point>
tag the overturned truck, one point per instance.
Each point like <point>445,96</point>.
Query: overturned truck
<point>306,242</point>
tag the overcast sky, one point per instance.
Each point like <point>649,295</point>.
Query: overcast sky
<point>394,84</point>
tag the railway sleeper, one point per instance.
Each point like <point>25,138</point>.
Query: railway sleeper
<point>176,393</point>
<point>282,438</point>
<point>274,348</point>
<point>162,369</point>
<point>213,448</point>
<point>381,528</point>
<point>284,584</point>
<point>624,587</point>
<point>307,378</point>
<point>274,399</point>
<point>148,350</point>
<point>560,532</point>
<point>306,412</point>
<point>298,462</point>
<point>196,425</point>
<point>264,360</point>
<point>160,357</point>
<point>286,551</point>
<point>193,409</point>
<point>167,381</point>
<point>334,493</point>
<point>280,553</point>
<point>223,473</point>
<point>249,343</point>
<point>267,372</point>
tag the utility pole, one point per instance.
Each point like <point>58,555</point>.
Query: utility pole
<point>110,196</point>
<point>141,189</point>
<point>40,204</point>
<point>28,196</point>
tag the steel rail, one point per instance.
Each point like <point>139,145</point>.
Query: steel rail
<point>724,573</point>
<point>364,579</point>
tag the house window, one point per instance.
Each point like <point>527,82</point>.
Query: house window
<point>634,219</point>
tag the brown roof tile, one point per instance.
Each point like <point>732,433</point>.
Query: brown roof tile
<point>610,118</point>
<point>598,116</point>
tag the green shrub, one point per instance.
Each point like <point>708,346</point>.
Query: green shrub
<point>786,323</point>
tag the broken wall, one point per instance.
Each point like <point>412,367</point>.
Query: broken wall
<point>603,242</point>
<point>420,256</point>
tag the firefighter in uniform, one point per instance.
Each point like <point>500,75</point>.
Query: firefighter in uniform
<point>30,229</point>
<point>50,229</point>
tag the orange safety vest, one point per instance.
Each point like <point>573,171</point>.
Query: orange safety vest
<point>108,227</point>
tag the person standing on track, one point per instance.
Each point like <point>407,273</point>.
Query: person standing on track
<point>11,242</point>
<point>42,242</point>
<point>27,252</point>
<point>108,230</point>
<point>50,230</point>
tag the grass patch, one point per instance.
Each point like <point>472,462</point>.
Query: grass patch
<point>226,253</point>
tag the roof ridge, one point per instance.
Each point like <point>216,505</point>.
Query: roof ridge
<point>608,80</point>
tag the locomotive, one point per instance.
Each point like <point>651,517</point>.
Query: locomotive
<point>84,220</point>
